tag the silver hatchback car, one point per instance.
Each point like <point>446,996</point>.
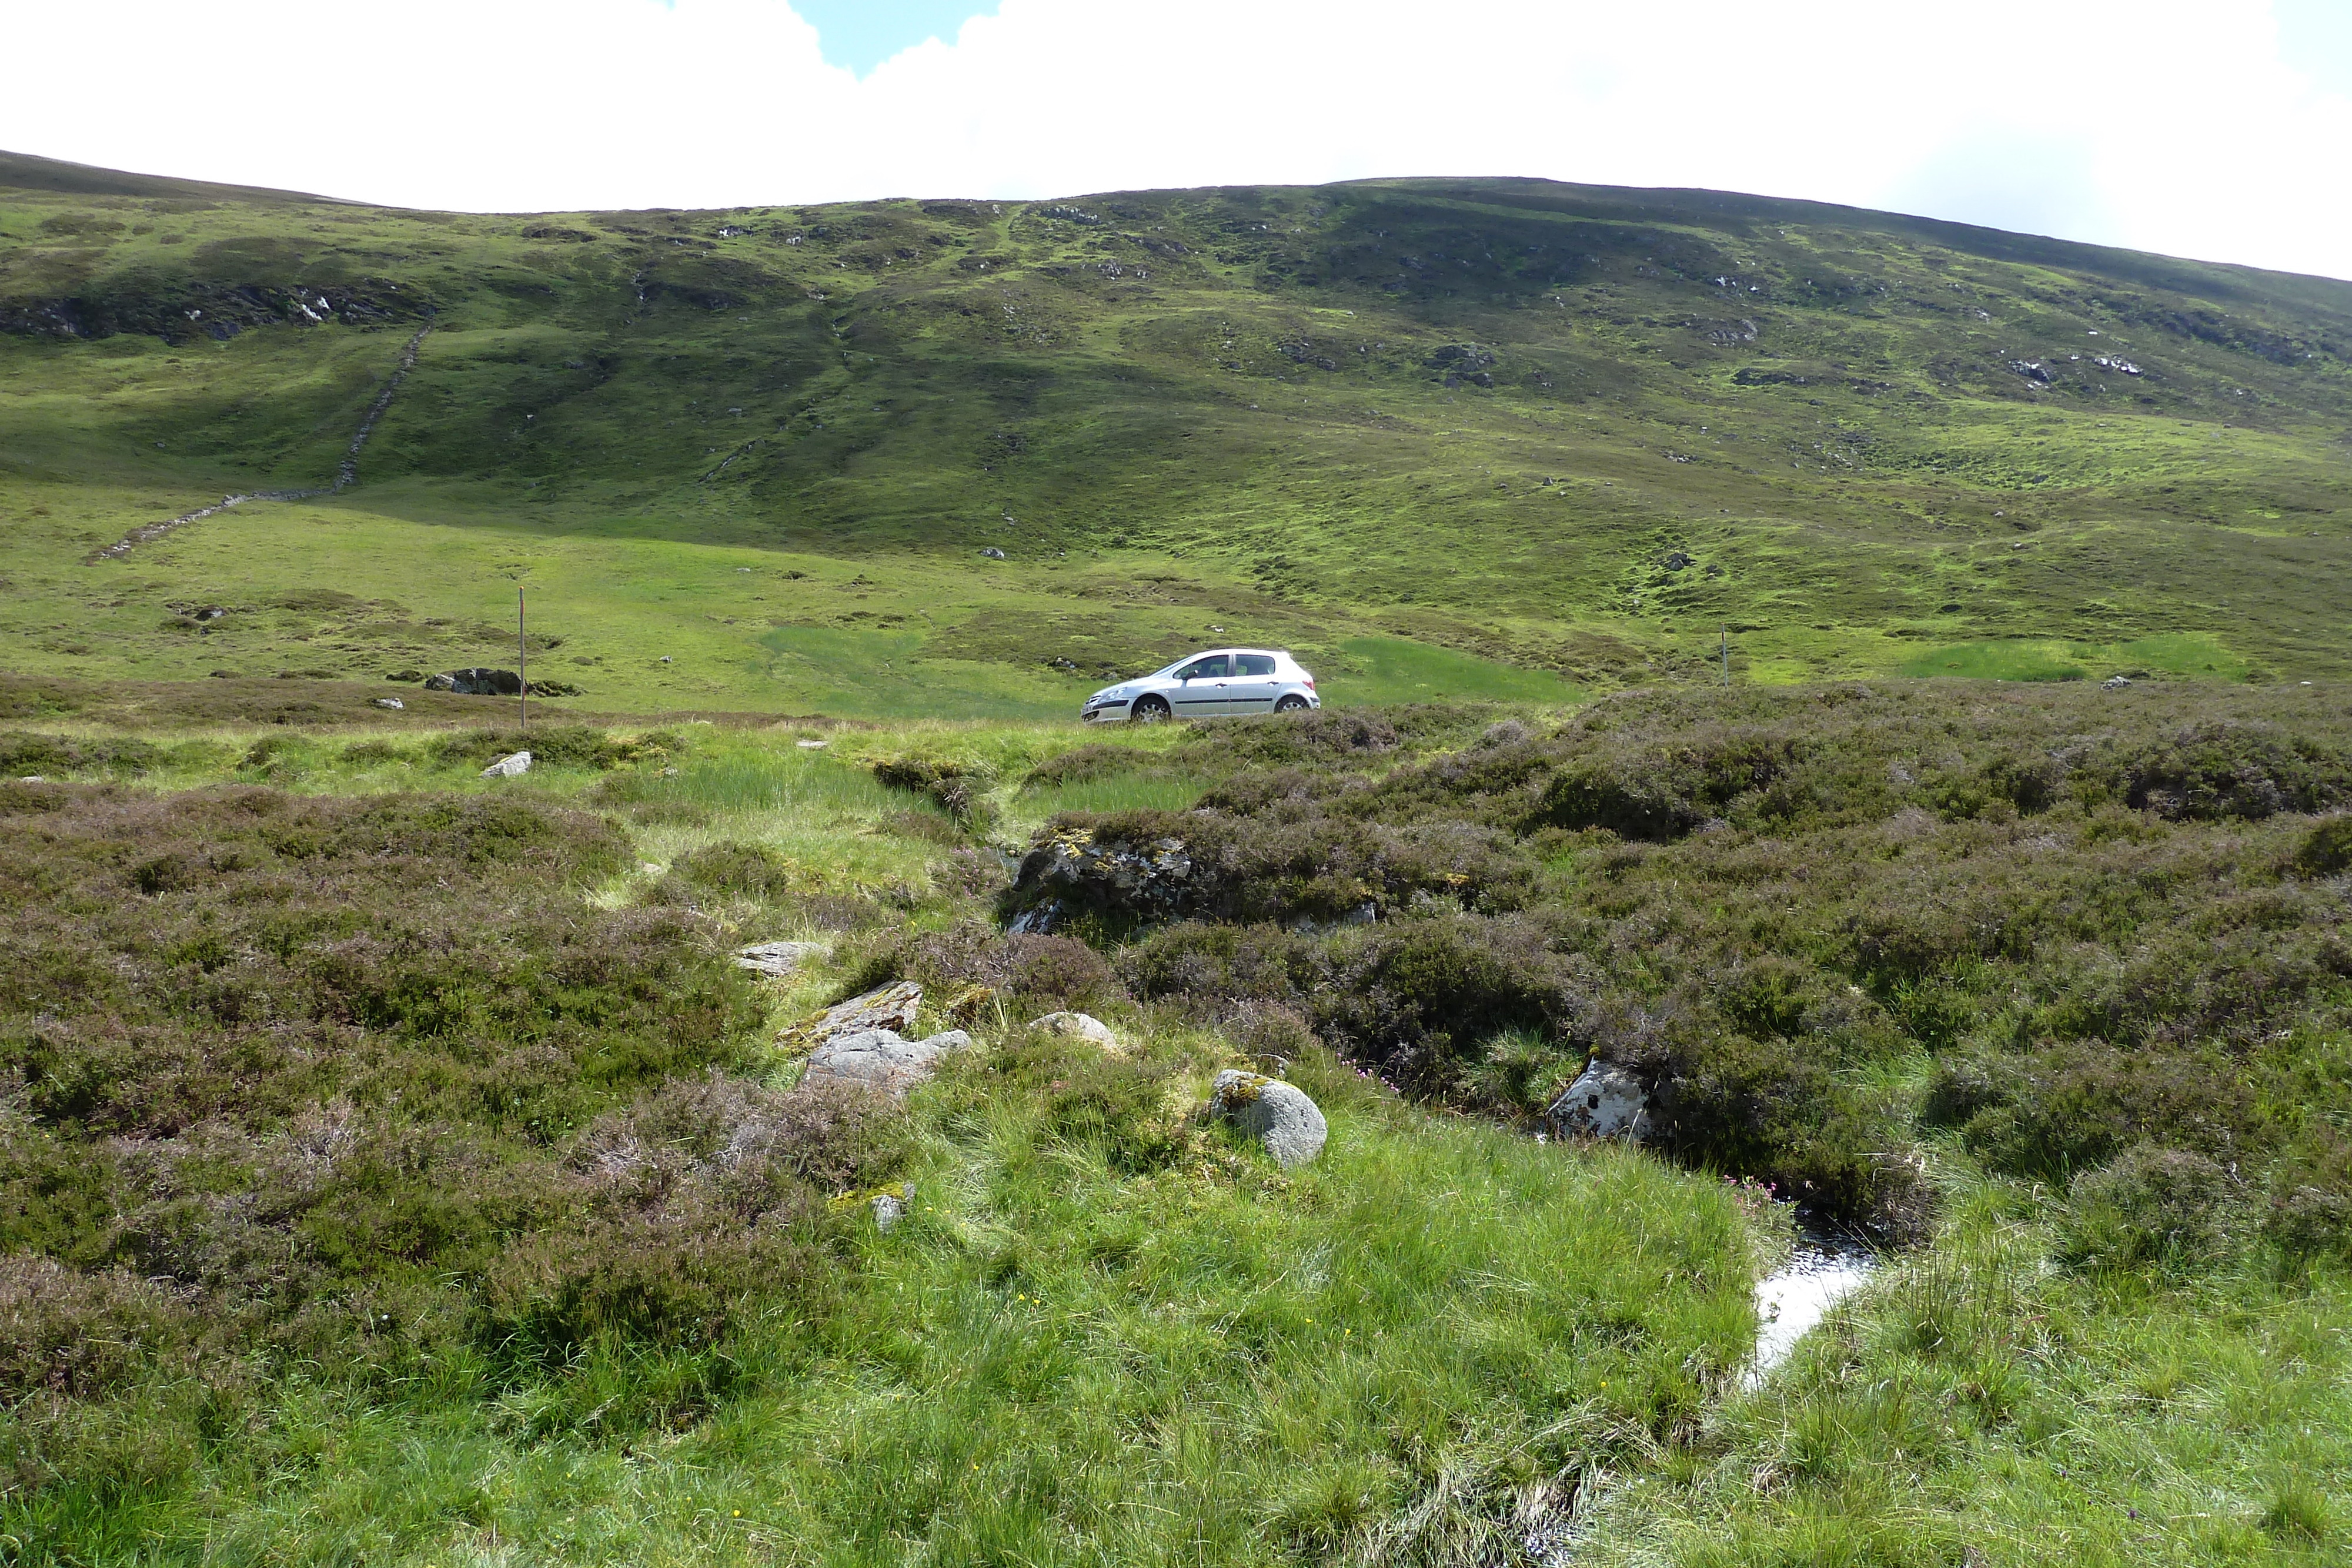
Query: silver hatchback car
<point>1207,686</point>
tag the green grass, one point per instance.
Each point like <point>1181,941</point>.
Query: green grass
<point>1379,671</point>
<point>1132,794</point>
<point>2193,654</point>
<point>1998,662</point>
<point>1053,1364</point>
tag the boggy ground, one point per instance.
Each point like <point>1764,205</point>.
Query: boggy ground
<point>395,1169</point>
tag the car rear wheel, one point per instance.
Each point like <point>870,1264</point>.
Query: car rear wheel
<point>1151,710</point>
<point>1294,703</point>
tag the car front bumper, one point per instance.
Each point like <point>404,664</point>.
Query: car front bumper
<point>1105,710</point>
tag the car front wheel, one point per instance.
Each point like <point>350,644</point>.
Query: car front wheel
<point>1294,703</point>
<point>1151,710</point>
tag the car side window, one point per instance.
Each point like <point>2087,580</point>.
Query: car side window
<point>1202,669</point>
<point>1255,664</point>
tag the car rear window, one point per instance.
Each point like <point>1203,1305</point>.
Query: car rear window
<point>1255,663</point>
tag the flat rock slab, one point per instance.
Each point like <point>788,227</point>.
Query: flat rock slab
<point>890,1007</point>
<point>1078,1025</point>
<point>778,959</point>
<point>1278,1116</point>
<point>878,1060</point>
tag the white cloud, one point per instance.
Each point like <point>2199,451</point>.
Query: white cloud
<point>2175,125</point>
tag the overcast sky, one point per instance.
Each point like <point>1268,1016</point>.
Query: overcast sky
<point>2219,129</point>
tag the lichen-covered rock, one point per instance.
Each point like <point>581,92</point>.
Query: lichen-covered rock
<point>878,1060</point>
<point>1278,1116</point>
<point>1070,874</point>
<point>1078,1025</point>
<point>890,1007</point>
<point>1605,1101</point>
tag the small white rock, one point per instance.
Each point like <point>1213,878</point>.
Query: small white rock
<point>394,703</point>
<point>811,744</point>
<point>1605,1101</point>
<point>513,766</point>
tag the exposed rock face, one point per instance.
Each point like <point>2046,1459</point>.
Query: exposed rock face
<point>778,959</point>
<point>1070,872</point>
<point>512,767</point>
<point>478,682</point>
<point>192,310</point>
<point>889,1008</point>
<point>1078,1025</point>
<point>878,1060</point>
<point>1605,1101</point>
<point>394,703</point>
<point>1278,1116</point>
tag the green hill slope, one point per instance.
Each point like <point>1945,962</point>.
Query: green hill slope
<point>1431,433</point>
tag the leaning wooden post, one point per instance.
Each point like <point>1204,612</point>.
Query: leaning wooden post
<point>522,670</point>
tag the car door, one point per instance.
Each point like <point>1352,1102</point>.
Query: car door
<point>1201,687</point>
<point>1252,686</point>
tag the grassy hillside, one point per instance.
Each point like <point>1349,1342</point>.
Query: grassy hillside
<point>1501,438</point>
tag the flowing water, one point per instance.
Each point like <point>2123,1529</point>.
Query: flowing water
<point>1798,1294</point>
<point>1790,1302</point>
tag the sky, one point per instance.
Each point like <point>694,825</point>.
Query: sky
<point>2214,128</point>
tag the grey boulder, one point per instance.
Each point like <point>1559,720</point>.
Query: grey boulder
<point>512,767</point>
<point>878,1060</point>
<point>1605,1101</point>
<point>1277,1114</point>
<point>1078,1025</point>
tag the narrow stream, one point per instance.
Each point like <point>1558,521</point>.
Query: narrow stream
<point>1798,1294</point>
<point>1790,1301</point>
